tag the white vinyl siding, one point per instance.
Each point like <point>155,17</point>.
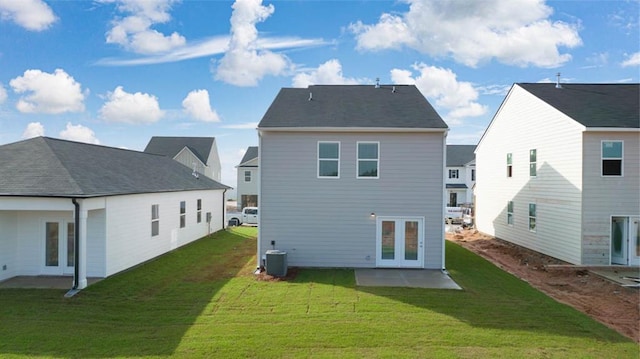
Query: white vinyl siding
<point>334,217</point>
<point>247,188</point>
<point>522,123</point>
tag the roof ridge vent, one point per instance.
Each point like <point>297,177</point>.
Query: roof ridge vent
<point>558,86</point>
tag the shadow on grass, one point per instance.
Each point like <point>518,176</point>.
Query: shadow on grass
<point>491,298</point>
<point>141,312</point>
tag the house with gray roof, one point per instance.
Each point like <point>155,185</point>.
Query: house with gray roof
<point>558,171</point>
<point>461,175</point>
<point>198,153</point>
<point>248,173</point>
<point>82,210</point>
<point>352,176</point>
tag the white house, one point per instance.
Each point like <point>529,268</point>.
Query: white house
<point>559,172</point>
<point>69,208</point>
<point>197,153</point>
<point>352,176</point>
<point>248,174</point>
<point>461,175</point>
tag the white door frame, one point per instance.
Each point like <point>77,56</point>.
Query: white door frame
<point>399,242</point>
<point>62,268</point>
<point>630,251</point>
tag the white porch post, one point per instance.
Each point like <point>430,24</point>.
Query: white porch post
<point>82,250</point>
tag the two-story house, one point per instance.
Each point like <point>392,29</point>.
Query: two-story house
<point>559,172</point>
<point>461,175</point>
<point>200,154</point>
<point>248,173</point>
<point>352,176</point>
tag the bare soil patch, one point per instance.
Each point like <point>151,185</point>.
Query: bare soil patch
<point>607,302</point>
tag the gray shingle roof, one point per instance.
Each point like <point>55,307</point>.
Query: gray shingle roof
<point>171,146</point>
<point>252,152</point>
<point>359,106</point>
<point>460,155</point>
<point>593,105</point>
<point>48,167</point>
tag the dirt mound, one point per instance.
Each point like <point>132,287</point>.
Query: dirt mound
<point>609,303</point>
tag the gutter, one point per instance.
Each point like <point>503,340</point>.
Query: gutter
<point>76,246</point>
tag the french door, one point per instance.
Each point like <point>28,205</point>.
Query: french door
<point>625,240</point>
<point>400,242</point>
<point>59,248</point>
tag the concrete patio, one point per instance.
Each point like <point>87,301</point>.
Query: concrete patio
<point>43,282</point>
<point>414,278</point>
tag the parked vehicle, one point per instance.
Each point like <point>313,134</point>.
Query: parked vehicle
<point>249,215</point>
<point>458,215</point>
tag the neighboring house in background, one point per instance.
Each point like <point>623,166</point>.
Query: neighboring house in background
<point>352,176</point>
<point>122,207</point>
<point>461,175</point>
<point>248,174</point>
<point>559,172</point>
<point>199,153</point>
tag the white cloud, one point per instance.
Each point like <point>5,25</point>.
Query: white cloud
<point>245,63</point>
<point>34,129</point>
<point>132,108</point>
<point>514,32</point>
<point>134,32</point>
<point>329,73</point>
<point>48,93</point>
<point>442,86</point>
<point>3,94</point>
<point>197,105</point>
<point>242,126</point>
<point>79,133</point>
<point>632,60</point>
<point>33,15</point>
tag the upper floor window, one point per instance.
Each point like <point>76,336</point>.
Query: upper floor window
<point>155,220</point>
<point>328,159</point>
<point>612,158</point>
<point>199,211</point>
<point>510,213</point>
<point>183,214</point>
<point>368,159</point>
<point>532,217</point>
<point>454,174</point>
<point>509,165</point>
<point>247,176</point>
<point>533,169</point>
<point>473,174</point>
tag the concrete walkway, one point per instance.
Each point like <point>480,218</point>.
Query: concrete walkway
<point>43,282</point>
<point>415,278</point>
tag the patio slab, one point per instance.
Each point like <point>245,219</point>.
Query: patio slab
<point>413,278</point>
<point>43,282</point>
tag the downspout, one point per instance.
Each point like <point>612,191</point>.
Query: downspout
<point>76,246</point>
<point>224,208</point>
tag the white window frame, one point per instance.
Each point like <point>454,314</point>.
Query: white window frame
<point>621,158</point>
<point>358,159</point>
<point>455,173</point>
<point>533,163</point>
<point>473,174</point>
<point>199,210</point>
<point>510,217</point>
<point>509,165</point>
<point>247,172</point>
<point>183,214</point>
<point>327,159</point>
<point>534,217</point>
<point>155,219</point>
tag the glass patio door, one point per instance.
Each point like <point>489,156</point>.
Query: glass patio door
<point>399,242</point>
<point>59,248</point>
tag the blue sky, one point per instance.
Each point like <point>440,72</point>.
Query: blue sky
<point>116,72</point>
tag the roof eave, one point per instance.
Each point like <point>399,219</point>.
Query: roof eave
<point>351,129</point>
<point>612,129</point>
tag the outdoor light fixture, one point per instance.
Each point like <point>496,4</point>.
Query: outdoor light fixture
<point>373,215</point>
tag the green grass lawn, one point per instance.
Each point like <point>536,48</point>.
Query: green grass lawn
<point>203,301</point>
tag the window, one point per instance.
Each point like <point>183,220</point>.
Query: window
<point>612,158</point>
<point>532,217</point>
<point>510,213</point>
<point>155,220</point>
<point>368,158</point>
<point>533,170</point>
<point>509,165</point>
<point>183,214</point>
<point>328,159</point>
<point>247,176</point>
<point>199,211</point>
<point>454,174</point>
<point>473,174</point>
